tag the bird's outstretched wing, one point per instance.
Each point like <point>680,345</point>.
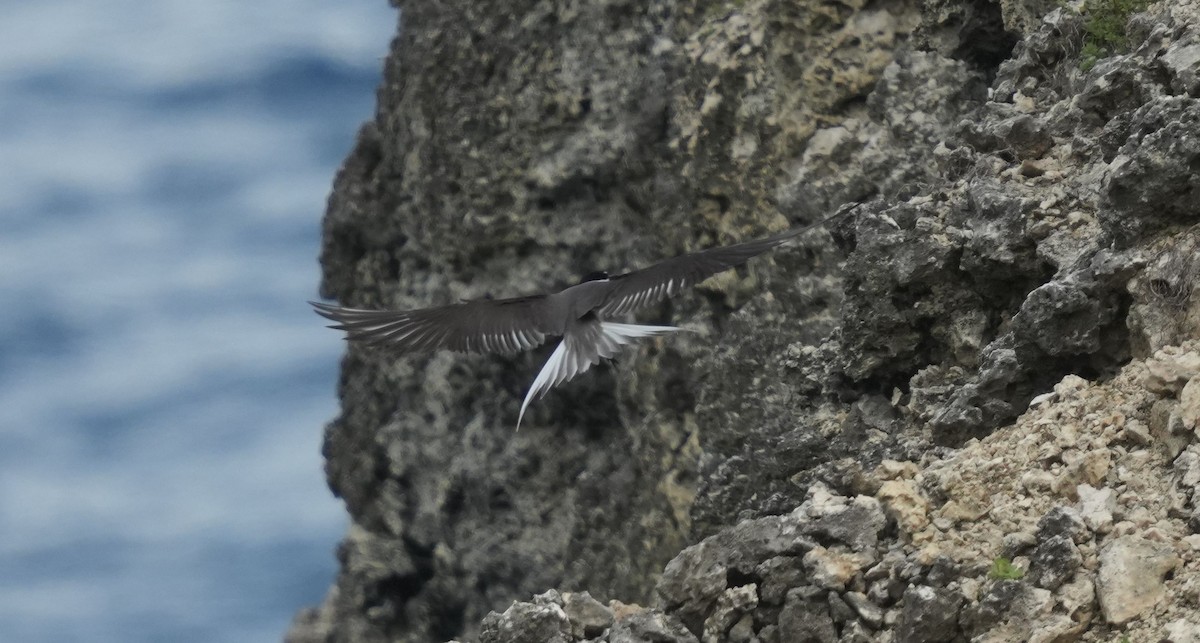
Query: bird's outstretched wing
<point>483,326</point>
<point>651,285</point>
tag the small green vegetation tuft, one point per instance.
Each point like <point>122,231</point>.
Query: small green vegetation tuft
<point>1003,569</point>
<point>1104,30</point>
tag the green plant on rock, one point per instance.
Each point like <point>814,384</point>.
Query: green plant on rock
<point>1003,569</point>
<point>1104,30</point>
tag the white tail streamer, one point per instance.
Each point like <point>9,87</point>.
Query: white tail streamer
<point>582,347</point>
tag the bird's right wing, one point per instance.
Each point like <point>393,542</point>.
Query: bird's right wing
<point>482,326</point>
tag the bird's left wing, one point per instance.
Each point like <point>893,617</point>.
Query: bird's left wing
<point>482,326</point>
<point>651,285</point>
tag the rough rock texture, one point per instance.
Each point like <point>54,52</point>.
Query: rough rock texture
<point>994,354</point>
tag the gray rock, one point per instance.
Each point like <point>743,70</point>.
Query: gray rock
<point>1182,631</point>
<point>928,615</point>
<point>858,525</point>
<point>1166,288</point>
<point>1096,507</point>
<point>870,613</point>
<point>1061,318</point>
<point>1182,61</point>
<point>1017,543</point>
<point>779,574</point>
<point>839,611</point>
<point>856,633</point>
<point>589,617</point>
<point>1008,603</point>
<point>733,604</point>
<point>1186,468</point>
<point>1034,59</point>
<point>743,630</point>
<point>942,571</point>
<point>1054,561</point>
<point>1115,87</point>
<point>649,626</point>
<point>804,620</point>
<point>1167,427</point>
<point>541,621</point>
<point>1063,521</point>
<point>694,580</point>
<point>1148,186</point>
<point>885,592</point>
<point>1007,130</point>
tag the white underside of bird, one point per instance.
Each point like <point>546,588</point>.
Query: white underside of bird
<point>582,347</point>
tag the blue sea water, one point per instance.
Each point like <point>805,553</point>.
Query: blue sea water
<point>163,385</point>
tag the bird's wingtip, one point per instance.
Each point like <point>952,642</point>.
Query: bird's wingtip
<point>330,312</point>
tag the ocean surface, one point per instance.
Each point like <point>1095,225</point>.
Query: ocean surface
<point>163,385</point>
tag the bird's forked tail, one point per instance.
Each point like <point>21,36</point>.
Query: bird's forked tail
<point>582,348</point>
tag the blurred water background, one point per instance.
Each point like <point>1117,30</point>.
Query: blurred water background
<point>163,386</point>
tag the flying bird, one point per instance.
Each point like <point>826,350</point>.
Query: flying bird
<point>579,314</point>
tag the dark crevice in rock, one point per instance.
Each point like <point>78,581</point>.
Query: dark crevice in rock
<point>984,42</point>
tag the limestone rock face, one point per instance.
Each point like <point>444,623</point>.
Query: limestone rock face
<point>1131,577</point>
<point>992,355</point>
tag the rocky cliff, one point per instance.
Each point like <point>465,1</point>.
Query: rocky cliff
<point>965,411</point>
